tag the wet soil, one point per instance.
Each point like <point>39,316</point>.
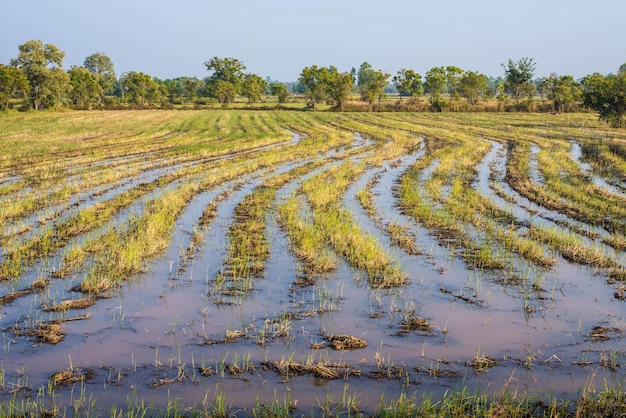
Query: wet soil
<point>169,333</point>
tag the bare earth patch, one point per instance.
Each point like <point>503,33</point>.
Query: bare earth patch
<point>345,342</point>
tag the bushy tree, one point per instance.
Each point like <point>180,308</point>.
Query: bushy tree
<point>226,79</point>
<point>191,86</point>
<point>338,85</point>
<point>453,81</point>
<point>607,96</point>
<point>313,81</point>
<point>472,86</point>
<point>13,82</point>
<point>365,78</point>
<point>280,90</point>
<point>408,83</point>
<point>57,87</point>
<point>175,89</point>
<point>563,91</point>
<point>102,65</point>
<point>84,86</point>
<point>40,63</point>
<point>435,85</point>
<point>141,88</point>
<point>372,86</point>
<point>518,76</point>
<point>253,87</point>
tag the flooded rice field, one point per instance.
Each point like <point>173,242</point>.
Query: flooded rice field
<point>325,263</point>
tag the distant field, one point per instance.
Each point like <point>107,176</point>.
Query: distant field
<point>295,262</point>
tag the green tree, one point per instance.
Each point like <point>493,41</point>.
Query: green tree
<point>13,82</point>
<point>57,87</point>
<point>408,83</point>
<point>84,86</point>
<point>338,85</point>
<point>373,86</point>
<point>501,96</point>
<point>34,54</point>
<point>518,76</point>
<point>315,89</point>
<point>174,88</point>
<point>253,87</point>
<point>435,85</point>
<point>563,91</point>
<point>141,88</point>
<point>378,86</point>
<point>279,90</point>
<point>472,86</point>
<point>191,85</point>
<point>102,65</point>
<point>225,81</point>
<point>223,91</point>
<point>607,96</point>
<point>39,61</point>
<point>453,80</point>
<point>365,78</point>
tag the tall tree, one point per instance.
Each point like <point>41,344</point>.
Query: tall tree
<point>518,76</point>
<point>191,85</point>
<point>338,85</point>
<point>366,76</point>
<point>453,79</point>
<point>175,89</point>
<point>57,87</point>
<point>223,91</point>
<point>102,65</point>
<point>141,88</point>
<point>408,83</point>
<point>253,87</point>
<point>280,90</point>
<point>607,96</point>
<point>435,85</point>
<point>12,82</point>
<point>472,86</point>
<point>381,80</point>
<point>315,90</point>
<point>84,86</point>
<point>373,88</point>
<point>225,81</point>
<point>38,62</point>
<point>562,91</point>
<point>34,54</point>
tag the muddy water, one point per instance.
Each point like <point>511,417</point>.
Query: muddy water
<point>138,342</point>
<point>492,171</point>
<point>585,167</point>
<point>533,165</point>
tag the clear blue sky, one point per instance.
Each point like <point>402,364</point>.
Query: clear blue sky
<point>278,38</point>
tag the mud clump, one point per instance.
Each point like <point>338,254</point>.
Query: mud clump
<point>318,369</point>
<point>50,333</point>
<point>345,342</point>
<point>600,333</point>
<point>72,375</point>
<point>67,305</point>
<point>415,323</point>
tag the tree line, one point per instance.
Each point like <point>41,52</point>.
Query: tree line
<point>37,76</point>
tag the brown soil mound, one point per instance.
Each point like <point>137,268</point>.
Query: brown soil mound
<point>345,342</point>
<point>50,333</point>
<point>67,305</point>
